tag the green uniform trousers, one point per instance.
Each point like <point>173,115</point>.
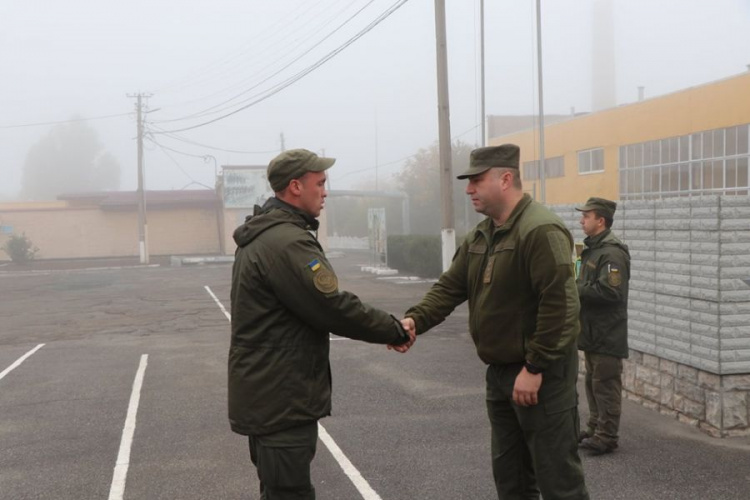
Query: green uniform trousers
<point>604,394</point>
<point>283,462</point>
<point>535,448</point>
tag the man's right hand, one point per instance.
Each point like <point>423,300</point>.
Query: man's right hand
<point>410,327</point>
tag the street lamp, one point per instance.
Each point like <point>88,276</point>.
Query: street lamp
<point>216,168</point>
<point>219,206</point>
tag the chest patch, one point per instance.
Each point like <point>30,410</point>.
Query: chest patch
<point>478,248</point>
<point>488,271</point>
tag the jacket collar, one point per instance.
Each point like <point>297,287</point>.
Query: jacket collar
<point>595,241</point>
<point>310,222</point>
<point>487,227</point>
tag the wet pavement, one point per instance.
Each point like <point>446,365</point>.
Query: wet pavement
<point>413,425</point>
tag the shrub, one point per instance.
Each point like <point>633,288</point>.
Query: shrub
<point>416,254</point>
<point>19,248</point>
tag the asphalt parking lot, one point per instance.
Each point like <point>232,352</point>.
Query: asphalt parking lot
<point>413,426</point>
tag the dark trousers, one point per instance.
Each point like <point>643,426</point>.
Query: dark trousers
<point>283,462</point>
<point>604,394</point>
<point>535,448</point>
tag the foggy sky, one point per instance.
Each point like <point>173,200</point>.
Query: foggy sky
<point>375,102</point>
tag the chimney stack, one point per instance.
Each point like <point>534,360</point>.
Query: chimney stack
<point>603,71</point>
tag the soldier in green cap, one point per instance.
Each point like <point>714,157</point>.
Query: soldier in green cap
<point>285,301</point>
<point>516,270</point>
<point>603,289</point>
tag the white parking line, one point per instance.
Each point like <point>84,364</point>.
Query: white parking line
<point>356,478</point>
<point>346,465</point>
<point>229,317</point>
<point>20,360</point>
<point>117,490</point>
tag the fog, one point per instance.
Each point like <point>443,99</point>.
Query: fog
<point>373,103</point>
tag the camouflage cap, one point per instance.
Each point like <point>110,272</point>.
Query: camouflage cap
<point>293,164</point>
<point>483,159</point>
<point>605,207</point>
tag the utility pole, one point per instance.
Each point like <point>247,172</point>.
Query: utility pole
<point>481,70</point>
<point>142,222</point>
<point>542,170</point>
<point>329,209</point>
<point>376,150</point>
<point>283,145</point>
<point>448,233</point>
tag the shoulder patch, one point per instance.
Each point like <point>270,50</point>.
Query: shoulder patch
<point>560,246</point>
<point>325,281</point>
<point>614,278</point>
<point>314,265</point>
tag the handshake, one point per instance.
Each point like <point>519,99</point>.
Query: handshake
<point>411,329</point>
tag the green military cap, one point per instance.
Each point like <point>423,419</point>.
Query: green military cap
<point>605,207</point>
<point>483,159</point>
<point>293,164</point>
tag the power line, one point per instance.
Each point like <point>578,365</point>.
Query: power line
<point>164,150</point>
<point>285,24</point>
<point>215,148</point>
<point>273,51</point>
<point>155,143</point>
<point>373,167</point>
<point>208,111</point>
<point>275,60</point>
<point>281,86</point>
<point>73,120</point>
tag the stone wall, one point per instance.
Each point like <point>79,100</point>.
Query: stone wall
<point>689,307</point>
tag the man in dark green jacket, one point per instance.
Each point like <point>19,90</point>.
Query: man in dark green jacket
<point>285,301</point>
<point>516,271</point>
<point>603,287</point>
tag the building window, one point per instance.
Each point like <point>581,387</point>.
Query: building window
<point>592,160</point>
<point>553,167</point>
<point>708,162</point>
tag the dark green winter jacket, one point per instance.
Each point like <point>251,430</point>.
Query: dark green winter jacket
<point>285,301</point>
<point>603,287</point>
<point>520,284</point>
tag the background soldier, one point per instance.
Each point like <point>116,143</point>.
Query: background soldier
<point>285,300</point>
<point>516,271</point>
<point>603,289</point>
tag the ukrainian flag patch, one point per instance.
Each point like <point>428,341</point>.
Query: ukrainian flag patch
<point>314,265</point>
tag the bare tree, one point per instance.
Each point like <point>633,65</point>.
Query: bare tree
<point>420,179</point>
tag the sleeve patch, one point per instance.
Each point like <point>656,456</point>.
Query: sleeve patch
<point>325,281</point>
<point>314,265</point>
<point>560,246</point>
<point>614,278</point>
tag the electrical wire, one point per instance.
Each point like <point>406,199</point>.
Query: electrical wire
<point>284,21</point>
<point>276,57</point>
<point>73,120</point>
<point>194,143</point>
<point>164,150</point>
<point>281,86</point>
<point>209,111</point>
<point>154,142</point>
<point>380,165</point>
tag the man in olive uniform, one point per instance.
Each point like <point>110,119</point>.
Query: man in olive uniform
<point>603,289</point>
<point>285,301</point>
<point>516,270</point>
